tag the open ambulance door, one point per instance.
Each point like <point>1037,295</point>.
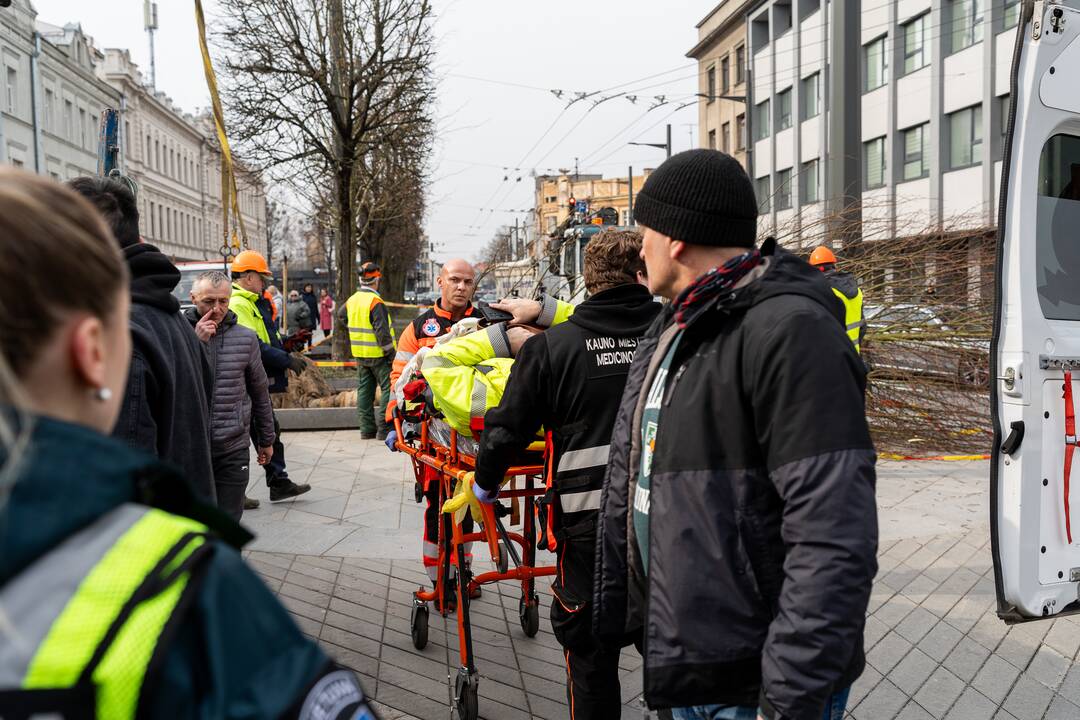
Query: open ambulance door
<point>1035,348</point>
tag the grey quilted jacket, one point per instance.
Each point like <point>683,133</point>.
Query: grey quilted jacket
<point>240,387</point>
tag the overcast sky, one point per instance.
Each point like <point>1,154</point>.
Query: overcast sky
<point>488,49</point>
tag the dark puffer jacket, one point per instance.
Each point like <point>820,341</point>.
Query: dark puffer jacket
<point>240,387</point>
<point>166,402</point>
<point>762,518</point>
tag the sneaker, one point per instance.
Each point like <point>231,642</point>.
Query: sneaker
<point>367,436</point>
<point>284,492</point>
<point>251,503</point>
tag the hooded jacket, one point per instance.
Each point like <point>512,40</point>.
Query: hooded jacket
<point>762,519</point>
<point>166,404</point>
<point>232,650</point>
<point>240,387</point>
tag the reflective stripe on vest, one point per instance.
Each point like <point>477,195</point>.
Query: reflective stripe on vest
<point>579,501</point>
<point>584,459</point>
<point>853,316</point>
<point>94,607</point>
<point>362,338</point>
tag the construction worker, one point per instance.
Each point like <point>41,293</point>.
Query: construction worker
<point>845,287</point>
<point>371,337</point>
<point>122,595</point>
<point>250,276</point>
<point>569,380</point>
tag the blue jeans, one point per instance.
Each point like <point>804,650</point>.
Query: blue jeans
<point>834,710</point>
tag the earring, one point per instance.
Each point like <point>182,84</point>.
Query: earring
<point>103,394</point>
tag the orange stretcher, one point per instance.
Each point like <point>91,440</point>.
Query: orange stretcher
<point>455,581</point>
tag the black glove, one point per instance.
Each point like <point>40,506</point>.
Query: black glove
<point>297,363</point>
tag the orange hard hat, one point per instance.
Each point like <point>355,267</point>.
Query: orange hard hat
<point>250,260</point>
<point>822,256</point>
<point>370,270</point>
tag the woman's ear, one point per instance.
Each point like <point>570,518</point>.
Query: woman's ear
<point>87,347</point>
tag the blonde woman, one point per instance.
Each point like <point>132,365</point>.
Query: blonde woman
<point>121,594</point>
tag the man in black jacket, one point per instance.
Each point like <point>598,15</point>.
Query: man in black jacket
<point>166,410</point>
<point>738,526</point>
<point>568,380</point>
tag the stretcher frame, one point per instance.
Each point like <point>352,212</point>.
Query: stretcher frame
<point>449,596</point>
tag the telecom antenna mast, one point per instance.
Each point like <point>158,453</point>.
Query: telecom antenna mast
<point>150,19</point>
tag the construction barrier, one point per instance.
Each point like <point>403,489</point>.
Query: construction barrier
<point>334,363</point>
<point>948,458</point>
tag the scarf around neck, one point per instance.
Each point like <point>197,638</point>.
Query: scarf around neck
<point>717,281</point>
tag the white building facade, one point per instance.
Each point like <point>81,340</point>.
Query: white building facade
<point>933,86</point>
<point>56,85</point>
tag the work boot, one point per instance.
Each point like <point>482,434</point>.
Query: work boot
<point>381,435</point>
<point>251,503</point>
<point>286,491</point>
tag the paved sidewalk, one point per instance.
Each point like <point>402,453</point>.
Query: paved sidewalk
<point>344,560</point>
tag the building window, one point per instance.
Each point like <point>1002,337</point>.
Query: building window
<point>50,98</point>
<point>1010,14</point>
<point>725,72</point>
<point>783,110</point>
<point>809,188</point>
<point>965,137</point>
<point>153,222</point>
<point>157,155</point>
<point>966,21</point>
<point>763,191</point>
<point>710,81</point>
<point>740,64</point>
<point>1004,102</point>
<point>712,139</point>
<point>783,190</point>
<point>740,132</point>
<point>810,96</point>
<point>12,91</point>
<point>127,138</point>
<point>915,44</point>
<point>761,120</point>
<point>876,65</point>
<point>725,137</point>
<point>82,127</point>
<point>917,152</point>
<point>69,112</point>
<point>874,163</point>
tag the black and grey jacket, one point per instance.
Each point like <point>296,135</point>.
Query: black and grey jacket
<point>240,387</point>
<point>763,523</point>
<point>569,380</point>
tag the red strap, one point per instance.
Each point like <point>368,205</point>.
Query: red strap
<point>552,542</point>
<point>1070,444</point>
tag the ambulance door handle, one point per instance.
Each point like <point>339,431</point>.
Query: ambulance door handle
<point>1016,436</point>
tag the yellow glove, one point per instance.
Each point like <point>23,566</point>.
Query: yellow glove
<point>463,496</point>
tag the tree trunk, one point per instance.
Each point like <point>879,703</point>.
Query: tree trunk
<point>345,156</point>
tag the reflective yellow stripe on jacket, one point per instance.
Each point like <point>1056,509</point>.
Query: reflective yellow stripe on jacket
<point>468,375</point>
<point>362,338</point>
<point>95,606</point>
<point>853,316</point>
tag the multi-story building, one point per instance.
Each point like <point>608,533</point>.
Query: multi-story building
<point>554,193</point>
<point>722,61</point>
<point>927,126</point>
<point>56,85</point>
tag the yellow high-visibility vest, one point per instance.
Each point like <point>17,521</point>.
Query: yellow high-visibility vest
<point>853,316</point>
<point>362,339</point>
<point>92,611</point>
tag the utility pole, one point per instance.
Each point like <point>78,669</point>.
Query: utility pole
<point>844,122</point>
<point>150,20</point>
<point>630,196</point>
<point>662,146</point>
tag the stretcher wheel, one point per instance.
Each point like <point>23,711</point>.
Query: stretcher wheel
<point>465,699</point>
<point>418,492</point>
<point>419,624</point>
<point>529,614</point>
<point>504,559</point>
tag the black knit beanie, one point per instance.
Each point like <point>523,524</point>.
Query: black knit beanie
<point>702,197</point>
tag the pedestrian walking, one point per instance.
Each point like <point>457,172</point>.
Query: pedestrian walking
<point>326,313</point>
<point>569,380</point>
<point>250,274</point>
<point>738,526</point>
<point>298,314</point>
<point>371,339</point>
<point>165,410</point>
<point>121,594</point>
<point>846,288</point>
<point>240,404</point>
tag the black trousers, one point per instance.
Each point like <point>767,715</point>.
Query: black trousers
<point>592,667</point>
<point>276,474</point>
<point>231,474</point>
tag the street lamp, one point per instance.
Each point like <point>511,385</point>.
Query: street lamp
<point>662,146</point>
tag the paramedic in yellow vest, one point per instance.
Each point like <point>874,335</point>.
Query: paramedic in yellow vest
<point>371,339</point>
<point>845,287</point>
<point>121,594</point>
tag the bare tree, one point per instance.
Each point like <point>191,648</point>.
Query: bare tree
<point>283,231</point>
<point>316,89</point>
